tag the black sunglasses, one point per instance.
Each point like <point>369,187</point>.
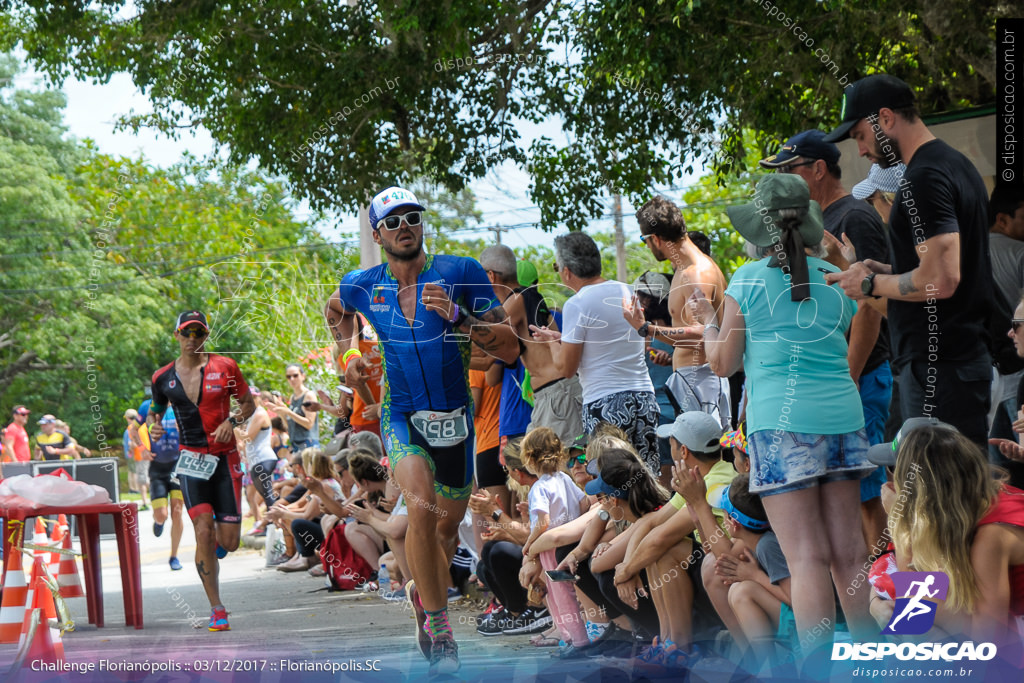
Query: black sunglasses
<point>1015,324</point>
<point>789,169</point>
<point>412,219</point>
<point>192,333</point>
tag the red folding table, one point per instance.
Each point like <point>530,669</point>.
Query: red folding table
<point>15,510</point>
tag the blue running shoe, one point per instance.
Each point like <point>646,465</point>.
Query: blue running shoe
<point>221,552</point>
<point>175,564</point>
<point>158,529</point>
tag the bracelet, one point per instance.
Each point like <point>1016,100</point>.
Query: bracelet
<point>710,326</point>
<point>460,316</point>
<point>348,356</point>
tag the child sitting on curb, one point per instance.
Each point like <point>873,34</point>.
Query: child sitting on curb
<point>554,500</point>
<point>751,566</point>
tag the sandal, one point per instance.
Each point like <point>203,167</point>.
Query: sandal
<point>548,638</point>
<point>544,641</point>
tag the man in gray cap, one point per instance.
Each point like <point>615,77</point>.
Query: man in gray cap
<point>938,281</point>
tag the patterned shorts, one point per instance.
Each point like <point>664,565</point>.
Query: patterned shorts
<point>782,461</point>
<point>636,413</point>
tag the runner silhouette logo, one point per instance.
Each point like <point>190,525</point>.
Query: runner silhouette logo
<point>914,613</point>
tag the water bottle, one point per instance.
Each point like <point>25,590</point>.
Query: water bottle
<point>383,580</point>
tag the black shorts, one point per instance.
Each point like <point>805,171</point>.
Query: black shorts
<point>220,495</point>
<point>162,481</point>
<point>489,471</point>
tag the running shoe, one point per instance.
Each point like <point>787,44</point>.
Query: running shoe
<point>221,552</point>
<point>422,639</point>
<point>219,620</point>
<point>654,653</point>
<point>444,655</point>
<point>143,508</point>
<point>261,532</point>
<point>495,623</point>
<point>175,564</point>
<point>158,529</point>
<point>532,620</point>
<point>494,606</point>
<point>454,595</point>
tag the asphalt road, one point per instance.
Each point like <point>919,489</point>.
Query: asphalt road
<point>282,629</point>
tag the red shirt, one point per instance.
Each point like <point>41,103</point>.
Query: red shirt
<point>220,380</point>
<point>1009,509</point>
<point>21,453</point>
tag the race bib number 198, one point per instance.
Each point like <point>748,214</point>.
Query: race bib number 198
<point>441,429</point>
<point>197,465</point>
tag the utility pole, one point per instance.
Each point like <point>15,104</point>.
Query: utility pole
<point>497,230</point>
<point>620,239</point>
<point>369,252</point>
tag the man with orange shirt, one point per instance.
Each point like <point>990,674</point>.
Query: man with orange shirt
<point>486,401</point>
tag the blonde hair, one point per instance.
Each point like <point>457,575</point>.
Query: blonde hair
<point>542,451</point>
<point>316,464</point>
<point>944,487</point>
<point>605,440</point>
<point>514,461</point>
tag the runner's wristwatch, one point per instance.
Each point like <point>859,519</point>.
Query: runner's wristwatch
<point>234,420</point>
<point>496,515</point>
<point>643,329</point>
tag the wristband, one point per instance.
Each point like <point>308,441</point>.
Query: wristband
<point>460,316</point>
<point>710,326</point>
<point>348,356</point>
<point>233,420</point>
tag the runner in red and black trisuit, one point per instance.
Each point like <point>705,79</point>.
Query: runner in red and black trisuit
<point>200,385</point>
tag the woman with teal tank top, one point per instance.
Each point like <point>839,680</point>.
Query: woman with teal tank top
<point>805,427</point>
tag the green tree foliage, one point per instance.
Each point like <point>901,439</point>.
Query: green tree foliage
<point>98,255</point>
<point>342,99</point>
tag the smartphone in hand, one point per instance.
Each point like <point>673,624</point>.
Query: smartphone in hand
<point>560,575</point>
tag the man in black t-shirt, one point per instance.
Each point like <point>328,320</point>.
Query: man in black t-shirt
<point>807,155</point>
<point>938,281</point>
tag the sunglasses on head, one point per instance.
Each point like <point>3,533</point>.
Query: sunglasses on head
<point>412,219</point>
<point>21,412</point>
<point>192,333</point>
<point>1015,324</point>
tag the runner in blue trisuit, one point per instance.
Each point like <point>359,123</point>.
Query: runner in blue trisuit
<point>425,310</point>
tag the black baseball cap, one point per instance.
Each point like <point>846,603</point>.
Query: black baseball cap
<point>810,144</point>
<point>865,97</point>
<point>191,318</point>
<point>580,443</point>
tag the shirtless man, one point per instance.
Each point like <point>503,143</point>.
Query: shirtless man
<point>693,386</point>
<point>558,401</point>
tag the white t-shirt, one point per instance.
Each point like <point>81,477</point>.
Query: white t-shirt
<point>613,352</point>
<point>557,495</point>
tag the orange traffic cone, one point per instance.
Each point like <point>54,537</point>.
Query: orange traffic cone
<point>15,597</point>
<point>39,537</point>
<point>60,529</point>
<point>40,635</point>
<point>67,576</point>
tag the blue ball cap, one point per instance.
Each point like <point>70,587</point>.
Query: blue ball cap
<point>810,144</point>
<point>390,199</point>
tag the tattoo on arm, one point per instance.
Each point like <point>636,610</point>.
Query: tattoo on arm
<point>906,283</point>
<point>480,328</point>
